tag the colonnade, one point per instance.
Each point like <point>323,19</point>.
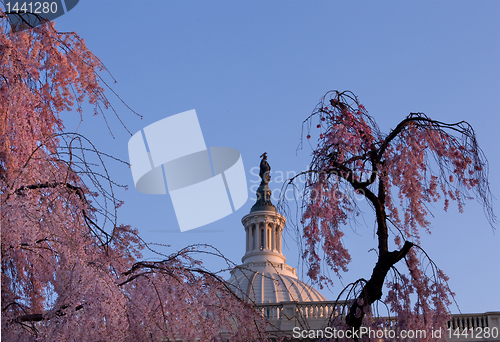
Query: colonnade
<point>263,232</point>
<point>263,235</point>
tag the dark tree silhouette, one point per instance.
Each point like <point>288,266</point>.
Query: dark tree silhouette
<point>419,162</point>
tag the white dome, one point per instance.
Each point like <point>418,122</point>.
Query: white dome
<point>269,286</point>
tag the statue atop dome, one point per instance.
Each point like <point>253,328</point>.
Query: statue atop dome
<point>263,193</point>
<point>265,169</point>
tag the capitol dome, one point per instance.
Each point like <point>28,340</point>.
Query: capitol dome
<point>264,276</point>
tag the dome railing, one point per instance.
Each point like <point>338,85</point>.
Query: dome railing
<point>309,310</point>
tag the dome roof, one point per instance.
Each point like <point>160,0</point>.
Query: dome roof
<point>270,286</point>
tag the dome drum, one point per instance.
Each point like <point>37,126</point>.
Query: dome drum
<point>263,236</point>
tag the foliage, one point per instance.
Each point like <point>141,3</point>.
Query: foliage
<point>69,271</point>
<point>421,161</point>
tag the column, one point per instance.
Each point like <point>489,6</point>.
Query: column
<point>279,239</point>
<point>257,233</point>
<point>247,231</point>
<point>273,236</point>
<point>264,228</point>
<point>254,239</point>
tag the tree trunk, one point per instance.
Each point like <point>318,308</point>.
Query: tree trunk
<point>372,291</point>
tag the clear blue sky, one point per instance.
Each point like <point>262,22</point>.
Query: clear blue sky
<point>253,70</point>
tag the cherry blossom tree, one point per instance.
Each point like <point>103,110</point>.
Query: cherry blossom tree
<point>421,161</point>
<point>69,270</point>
